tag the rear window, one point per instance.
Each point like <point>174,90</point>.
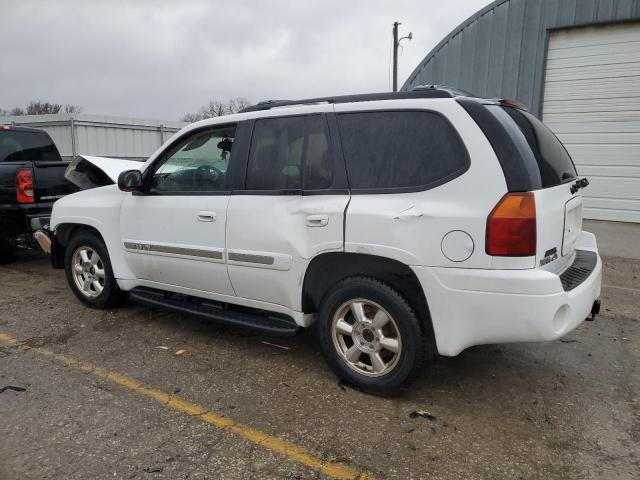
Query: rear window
<point>400,150</point>
<point>553,160</point>
<point>289,152</point>
<point>17,146</point>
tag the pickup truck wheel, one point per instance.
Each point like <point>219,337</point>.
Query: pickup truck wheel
<point>89,273</point>
<point>6,250</point>
<point>370,335</point>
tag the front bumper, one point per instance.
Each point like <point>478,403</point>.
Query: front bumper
<point>476,307</point>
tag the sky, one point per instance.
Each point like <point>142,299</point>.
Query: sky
<point>162,59</point>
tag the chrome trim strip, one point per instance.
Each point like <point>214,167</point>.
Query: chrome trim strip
<point>251,258</point>
<point>192,252</point>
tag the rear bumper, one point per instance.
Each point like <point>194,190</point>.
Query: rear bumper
<point>17,219</point>
<point>38,222</point>
<point>475,307</point>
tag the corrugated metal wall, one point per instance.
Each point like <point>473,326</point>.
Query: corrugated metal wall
<point>117,137</point>
<point>500,51</point>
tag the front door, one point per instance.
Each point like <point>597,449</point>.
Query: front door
<point>292,208</point>
<point>174,233</point>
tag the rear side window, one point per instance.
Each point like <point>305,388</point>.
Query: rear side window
<point>553,160</point>
<point>17,146</point>
<point>400,150</point>
<point>290,153</point>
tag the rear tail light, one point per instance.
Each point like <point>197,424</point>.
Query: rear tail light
<point>24,186</point>
<point>511,226</point>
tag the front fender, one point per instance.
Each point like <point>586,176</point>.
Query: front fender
<point>99,209</point>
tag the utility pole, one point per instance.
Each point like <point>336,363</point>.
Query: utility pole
<point>395,56</point>
<point>396,44</point>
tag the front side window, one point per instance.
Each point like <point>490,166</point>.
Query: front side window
<point>400,150</point>
<point>290,153</point>
<point>199,163</point>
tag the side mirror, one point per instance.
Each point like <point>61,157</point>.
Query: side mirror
<point>130,181</point>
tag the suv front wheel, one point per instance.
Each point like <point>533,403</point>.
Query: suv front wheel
<point>89,273</point>
<point>370,335</point>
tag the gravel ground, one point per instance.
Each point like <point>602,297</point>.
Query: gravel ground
<point>563,409</point>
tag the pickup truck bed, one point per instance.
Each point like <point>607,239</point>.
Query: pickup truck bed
<point>31,180</point>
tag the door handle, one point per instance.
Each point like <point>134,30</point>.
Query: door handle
<point>206,216</point>
<point>317,220</point>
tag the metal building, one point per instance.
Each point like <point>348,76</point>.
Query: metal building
<point>575,64</point>
<point>117,137</point>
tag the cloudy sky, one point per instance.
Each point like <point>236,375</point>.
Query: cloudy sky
<point>162,59</point>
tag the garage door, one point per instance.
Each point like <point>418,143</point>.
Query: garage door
<point>592,102</point>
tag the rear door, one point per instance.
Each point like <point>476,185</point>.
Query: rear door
<point>292,207</point>
<point>558,205</point>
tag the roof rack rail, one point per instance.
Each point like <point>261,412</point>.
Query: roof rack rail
<point>431,91</point>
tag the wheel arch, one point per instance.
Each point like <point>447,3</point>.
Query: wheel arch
<point>63,234</point>
<point>327,269</point>
<point>65,230</point>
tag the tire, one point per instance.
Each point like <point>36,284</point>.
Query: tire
<point>94,285</point>
<point>373,366</point>
<point>6,250</point>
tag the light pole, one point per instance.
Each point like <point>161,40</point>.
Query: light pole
<point>396,44</point>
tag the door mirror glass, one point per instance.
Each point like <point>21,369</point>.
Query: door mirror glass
<point>130,181</point>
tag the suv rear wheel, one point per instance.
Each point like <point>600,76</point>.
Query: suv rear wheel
<point>89,273</point>
<point>370,335</point>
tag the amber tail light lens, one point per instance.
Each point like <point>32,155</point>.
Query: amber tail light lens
<point>511,226</point>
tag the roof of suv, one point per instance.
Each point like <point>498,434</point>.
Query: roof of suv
<point>426,91</point>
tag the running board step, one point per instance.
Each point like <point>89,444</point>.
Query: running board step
<point>267,322</point>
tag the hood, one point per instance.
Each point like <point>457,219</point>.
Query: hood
<point>90,172</point>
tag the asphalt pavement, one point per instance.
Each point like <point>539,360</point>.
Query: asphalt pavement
<point>105,394</point>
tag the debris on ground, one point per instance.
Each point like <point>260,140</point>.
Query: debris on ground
<point>568,340</point>
<point>11,387</point>
<point>180,352</point>
<point>155,469</point>
<point>162,347</point>
<point>276,345</point>
<point>424,414</point>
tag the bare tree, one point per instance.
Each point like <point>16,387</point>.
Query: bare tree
<point>216,108</point>
<point>42,108</point>
<point>238,104</point>
<point>68,108</point>
<point>38,107</point>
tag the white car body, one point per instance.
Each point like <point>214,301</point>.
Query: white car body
<point>255,250</point>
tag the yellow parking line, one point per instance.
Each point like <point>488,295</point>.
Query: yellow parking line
<point>286,449</point>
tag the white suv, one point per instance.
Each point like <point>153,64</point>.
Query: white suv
<point>403,224</point>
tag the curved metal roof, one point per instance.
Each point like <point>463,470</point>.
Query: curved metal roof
<point>500,50</point>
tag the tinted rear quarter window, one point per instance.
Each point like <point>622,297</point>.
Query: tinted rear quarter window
<point>20,146</point>
<point>400,150</point>
<point>553,161</point>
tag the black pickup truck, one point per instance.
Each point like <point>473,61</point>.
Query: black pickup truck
<point>31,179</point>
